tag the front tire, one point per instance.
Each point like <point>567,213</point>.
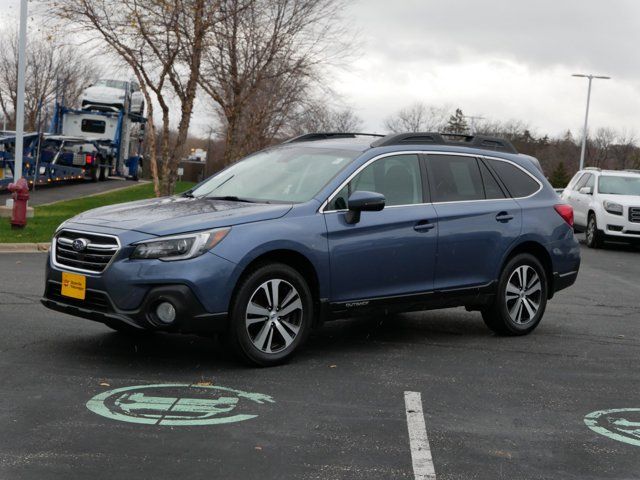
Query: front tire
<point>521,297</point>
<point>594,236</point>
<point>271,315</point>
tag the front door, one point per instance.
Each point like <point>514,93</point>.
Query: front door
<point>390,252</point>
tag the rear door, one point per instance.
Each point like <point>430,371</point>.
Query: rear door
<point>477,220</point>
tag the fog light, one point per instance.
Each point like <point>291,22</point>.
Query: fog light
<point>166,312</point>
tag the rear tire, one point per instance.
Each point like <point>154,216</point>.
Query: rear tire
<point>271,315</point>
<point>521,297</point>
<point>594,236</point>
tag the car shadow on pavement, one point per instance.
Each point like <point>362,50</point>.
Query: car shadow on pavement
<point>612,245</point>
<point>365,334</point>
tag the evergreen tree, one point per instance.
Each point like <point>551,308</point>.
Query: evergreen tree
<point>457,123</point>
<point>559,176</point>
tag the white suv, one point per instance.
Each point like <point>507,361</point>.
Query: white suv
<point>606,204</point>
<point>113,94</point>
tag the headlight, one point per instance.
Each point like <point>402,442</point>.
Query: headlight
<point>179,247</point>
<point>612,207</point>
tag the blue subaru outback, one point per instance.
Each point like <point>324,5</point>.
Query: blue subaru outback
<point>324,226</point>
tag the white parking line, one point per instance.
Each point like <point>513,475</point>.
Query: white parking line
<point>420,451</point>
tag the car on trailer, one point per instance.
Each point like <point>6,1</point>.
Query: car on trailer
<point>108,94</point>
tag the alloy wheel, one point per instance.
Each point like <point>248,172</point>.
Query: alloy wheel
<point>523,294</point>
<point>274,316</point>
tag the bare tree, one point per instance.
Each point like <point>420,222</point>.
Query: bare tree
<point>625,149</point>
<point>418,118</point>
<point>320,118</point>
<point>600,146</point>
<point>51,69</point>
<point>262,62</point>
<point>163,43</point>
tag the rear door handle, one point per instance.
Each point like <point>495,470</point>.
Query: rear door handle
<point>423,226</point>
<point>504,217</point>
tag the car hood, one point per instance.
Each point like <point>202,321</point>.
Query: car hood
<point>104,92</point>
<point>626,200</point>
<point>173,215</point>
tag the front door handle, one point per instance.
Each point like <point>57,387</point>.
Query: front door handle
<point>504,217</point>
<point>423,226</point>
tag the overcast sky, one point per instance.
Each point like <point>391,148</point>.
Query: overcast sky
<point>502,59</point>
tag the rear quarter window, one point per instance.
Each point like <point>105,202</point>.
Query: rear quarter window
<point>519,183</point>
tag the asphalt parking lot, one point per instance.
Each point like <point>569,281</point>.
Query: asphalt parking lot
<point>494,408</point>
<point>68,191</point>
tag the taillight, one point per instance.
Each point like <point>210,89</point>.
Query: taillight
<point>88,159</point>
<point>566,212</point>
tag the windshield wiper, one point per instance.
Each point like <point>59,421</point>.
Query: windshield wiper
<point>232,198</point>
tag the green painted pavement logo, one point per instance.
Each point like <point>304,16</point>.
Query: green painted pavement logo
<point>177,404</point>
<point>622,424</point>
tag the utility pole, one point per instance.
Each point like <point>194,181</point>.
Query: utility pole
<point>22,47</point>
<point>586,115</point>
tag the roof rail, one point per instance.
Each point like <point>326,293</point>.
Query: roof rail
<point>432,138</point>
<point>632,170</point>
<point>597,169</point>
<point>310,137</point>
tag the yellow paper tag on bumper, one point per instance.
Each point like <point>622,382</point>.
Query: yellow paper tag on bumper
<point>73,285</point>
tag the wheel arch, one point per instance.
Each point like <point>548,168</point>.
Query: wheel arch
<point>292,258</point>
<point>540,252</point>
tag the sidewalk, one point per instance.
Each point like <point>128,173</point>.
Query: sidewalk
<point>56,193</point>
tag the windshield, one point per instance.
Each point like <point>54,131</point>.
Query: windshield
<point>112,84</point>
<point>290,174</point>
<point>619,185</point>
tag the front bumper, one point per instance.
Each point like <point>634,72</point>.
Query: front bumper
<point>98,306</point>
<point>620,226</point>
<point>128,291</point>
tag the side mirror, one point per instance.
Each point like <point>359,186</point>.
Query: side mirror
<point>361,201</point>
<point>586,190</point>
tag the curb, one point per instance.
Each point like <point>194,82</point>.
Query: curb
<point>24,247</point>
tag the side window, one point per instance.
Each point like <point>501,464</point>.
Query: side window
<point>574,181</point>
<point>492,188</point>
<point>454,178</point>
<point>582,181</point>
<point>519,183</point>
<point>93,126</point>
<point>591,182</point>
<point>397,178</point>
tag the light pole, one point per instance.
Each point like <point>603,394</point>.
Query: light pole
<point>22,46</point>
<point>586,115</point>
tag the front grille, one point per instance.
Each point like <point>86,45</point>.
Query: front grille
<point>634,214</point>
<point>96,301</point>
<point>93,258</point>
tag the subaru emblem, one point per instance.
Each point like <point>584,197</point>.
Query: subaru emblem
<point>80,244</point>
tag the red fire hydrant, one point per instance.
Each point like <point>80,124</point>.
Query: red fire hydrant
<point>20,191</point>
